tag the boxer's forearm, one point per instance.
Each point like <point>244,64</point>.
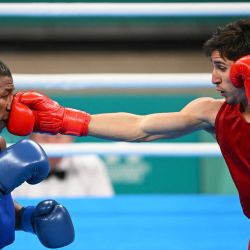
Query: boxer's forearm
<point>129,127</point>
<point>116,126</point>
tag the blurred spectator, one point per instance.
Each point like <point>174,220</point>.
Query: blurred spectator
<point>73,176</point>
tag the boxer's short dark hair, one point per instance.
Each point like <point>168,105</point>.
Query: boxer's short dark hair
<point>232,40</point>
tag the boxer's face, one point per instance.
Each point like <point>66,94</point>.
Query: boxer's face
<point>6,97</point>
<point>220,77</point>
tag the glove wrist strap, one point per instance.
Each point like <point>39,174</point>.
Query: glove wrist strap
<point>75,122</point>
<point>26,219</point>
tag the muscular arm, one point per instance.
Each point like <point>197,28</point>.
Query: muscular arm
<point>197,115</point>
<point>41,114</point>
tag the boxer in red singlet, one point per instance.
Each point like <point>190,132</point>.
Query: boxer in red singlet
<point>233,136</point>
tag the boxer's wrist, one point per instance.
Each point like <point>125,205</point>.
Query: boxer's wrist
<point>26,215</point>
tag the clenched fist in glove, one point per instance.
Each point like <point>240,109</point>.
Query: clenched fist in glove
<point>51,223</point>
<point>23,161</point>
<point>240,74</point>
<point>35,112</point>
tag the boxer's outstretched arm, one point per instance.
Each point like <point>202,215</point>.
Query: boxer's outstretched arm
<point>39,113</point>
<point>199,114</point>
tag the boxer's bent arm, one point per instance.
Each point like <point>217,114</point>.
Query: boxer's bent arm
<point>130,127</point>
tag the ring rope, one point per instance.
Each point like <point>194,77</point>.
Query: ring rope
<point>138,149</point>
<point>117,81</point>
<point>123,9</point>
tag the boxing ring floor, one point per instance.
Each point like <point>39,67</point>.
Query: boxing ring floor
<point>152,222</point>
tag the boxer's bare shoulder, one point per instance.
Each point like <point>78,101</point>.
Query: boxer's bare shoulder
<point>205,109</point>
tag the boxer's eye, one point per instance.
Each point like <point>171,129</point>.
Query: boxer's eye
<point>6,93</point>
<point>222,68</point>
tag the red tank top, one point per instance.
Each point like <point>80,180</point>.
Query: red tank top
<point>233,136</point>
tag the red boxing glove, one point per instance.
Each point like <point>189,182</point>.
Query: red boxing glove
<point>240,74</point>
<point>22,120</point>
<point>35,112</point>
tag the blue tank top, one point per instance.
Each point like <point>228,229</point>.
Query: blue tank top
<point>7,220</point>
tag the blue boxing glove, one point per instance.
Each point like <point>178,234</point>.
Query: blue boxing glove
<point>51,223</point>
<point>23,161</point>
